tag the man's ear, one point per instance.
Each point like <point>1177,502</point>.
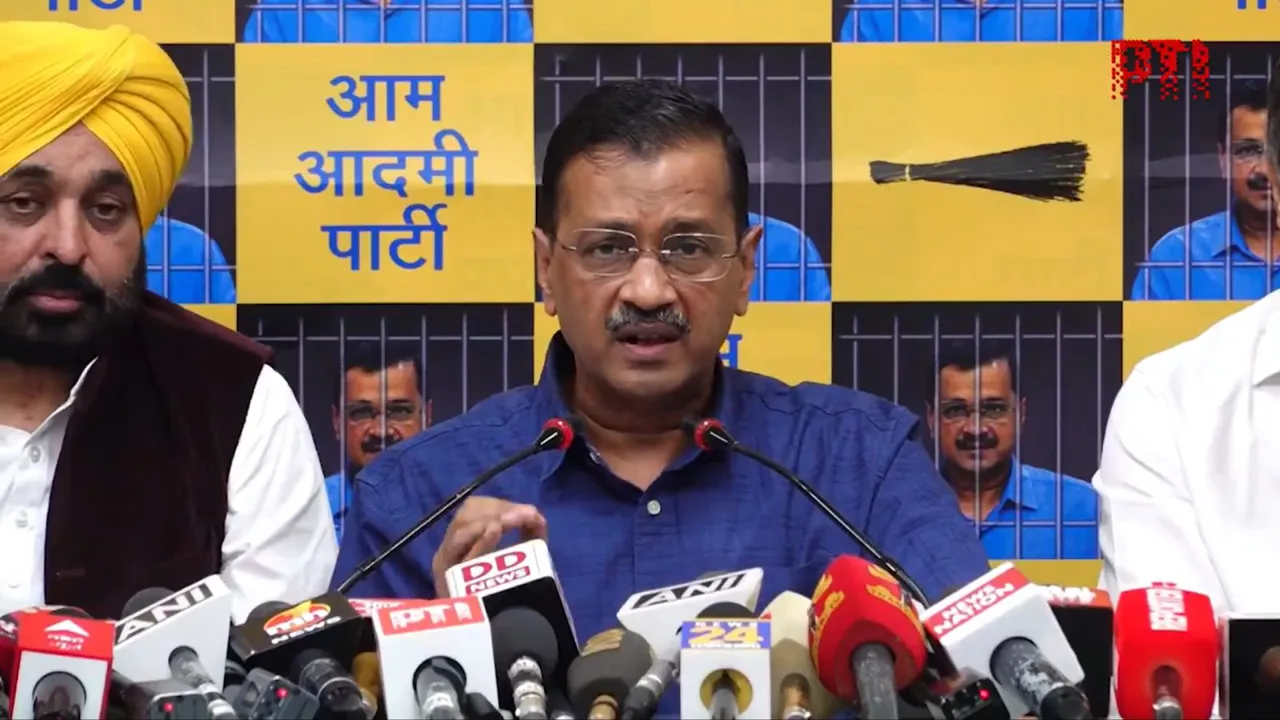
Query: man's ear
<point>747,259</point>
<point>543,252</point>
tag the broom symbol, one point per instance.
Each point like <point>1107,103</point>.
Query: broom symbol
<point>1053,171</point>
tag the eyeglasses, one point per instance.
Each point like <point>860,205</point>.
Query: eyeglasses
<point>698,257</point>
<point>395,412</point>
<point>994,412</point>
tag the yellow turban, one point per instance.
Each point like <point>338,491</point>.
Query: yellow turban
<point>123,87</point>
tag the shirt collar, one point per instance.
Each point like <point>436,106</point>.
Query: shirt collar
<point>560,364</point>
<point>1029,497</point>
<point>1235,236</point>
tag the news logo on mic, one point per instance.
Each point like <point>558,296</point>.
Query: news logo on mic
<point>519,576</point>
<point>62,666</point>
<point>725,668</point>
<point>198,615</point>
<point>656,614</point>
<point>327,622</point>
<point>415,631</point>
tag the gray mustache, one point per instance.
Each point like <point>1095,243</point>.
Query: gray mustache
<point>629,316</point>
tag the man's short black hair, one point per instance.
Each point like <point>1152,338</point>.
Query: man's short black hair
<point>368,356</point>
<point>642,117</point>
<point>1250,94</point>
<point>965,355</point>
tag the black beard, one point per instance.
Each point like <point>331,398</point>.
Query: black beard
<point>66,342</point>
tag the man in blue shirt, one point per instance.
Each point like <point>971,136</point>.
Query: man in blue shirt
<point>185,265</point>
<point>382,402</point>
<point>646,256</point>
<point>982,20</point>
<point>779,267</point>
<point>392,21</point>
<point>1226,251</point>
<point>976,418</point>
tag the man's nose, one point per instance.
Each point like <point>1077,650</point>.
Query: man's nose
<point>647,286</point>
<point>67,241</point>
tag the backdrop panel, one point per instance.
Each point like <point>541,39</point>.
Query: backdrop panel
<point>384,185</point>
<point>165,21</point>
<point>679,21</point>
<point>1201,19</point>
<point>958,171</point>
<point>1150,327</point>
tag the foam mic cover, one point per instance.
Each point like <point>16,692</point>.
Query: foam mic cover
<point>855,604</point>
<point>521,634</point>
<point>788,616</point>
<point>609,665</point>
<point>1166,650</point>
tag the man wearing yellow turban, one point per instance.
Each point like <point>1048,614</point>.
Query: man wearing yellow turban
<point>140,445</point>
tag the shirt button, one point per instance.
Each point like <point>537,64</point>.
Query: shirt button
<point>20,518</point>
<point>654,507</point>
<point>34,453</point>
<point>595,457</point>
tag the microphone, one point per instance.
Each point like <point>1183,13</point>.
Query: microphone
<point>320,675</point>
<point>165,699</point>
<point>1086,618</point>
<point>727,654</point>
<point>326,622</point>
<point>865,650</point>
<point>800,694</point>
<point>267,696</point>
<point>525,648</point>
<point>558,705</point>
<point>62,666</point>
<point>659,615</point>
<point>1166,654</point>
<point>602,675</point>
<point>155,621</point>
<point>4,701</point>
<point>557,434</point>
<point>520,576</point>
<point>434,653</point>
<point>1003,622</point>
<point>710,435</point>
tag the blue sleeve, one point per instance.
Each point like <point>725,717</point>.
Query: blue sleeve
<point>222,289</point>
<point>915,517</point>
<point>846,28</point>
<point>370,528</point>
<point>1139,291</point>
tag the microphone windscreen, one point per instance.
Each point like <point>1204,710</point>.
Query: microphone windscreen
<point>143,599</point>
<point>67,611</point>
<point>521,632</point>
<point>611,663</point>
<point>1165,637</point>
<point>788,617</point>
<point>855,604</point>
<point>726,611</point>
<point>266,611</point>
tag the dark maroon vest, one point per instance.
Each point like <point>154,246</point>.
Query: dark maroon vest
<point>140,492</point>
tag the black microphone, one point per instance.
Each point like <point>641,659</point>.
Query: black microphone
<point>710,435</point>
<point>264,695</point>
<point>525,652</point>
<point>319,674</point>
<point>600,678</point>
<point>557,434</point>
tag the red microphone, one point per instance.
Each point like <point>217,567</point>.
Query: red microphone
<point>1166,653</point>
<point>557,434</point>
<point>864,637</point>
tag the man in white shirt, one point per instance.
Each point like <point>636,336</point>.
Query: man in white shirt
<point>111,477</point>
<point>1189,483</point>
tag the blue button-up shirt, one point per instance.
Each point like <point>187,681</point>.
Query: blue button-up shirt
<point>196,271</point>
<point>706,512</point>
<point>401,21</point>
<point>1216,245</point>
<point>1025,524</point>
<point>994,21</point>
